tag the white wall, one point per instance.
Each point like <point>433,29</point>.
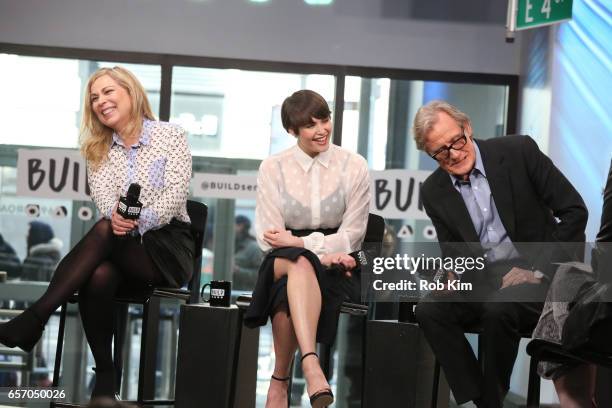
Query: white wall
<point>352,32</point>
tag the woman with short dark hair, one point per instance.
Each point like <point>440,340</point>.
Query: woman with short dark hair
<point>312,210</point>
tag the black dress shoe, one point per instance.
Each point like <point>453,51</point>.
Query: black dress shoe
<point>22,331</point>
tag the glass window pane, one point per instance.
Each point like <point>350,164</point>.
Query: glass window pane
<point>34,232</point>
<point>235,113</point>
<point>247,254</point>
<point>378,115</point>
<point>41,103</point>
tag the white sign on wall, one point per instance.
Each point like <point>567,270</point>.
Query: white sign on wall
<point>396,194</point>
<point>61,173</point>
<point>224,185</point>
<point>51,173</point>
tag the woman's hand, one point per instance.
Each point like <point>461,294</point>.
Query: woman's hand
<point>282,238</point>
<point>343,260</point>
<point>120,225</point>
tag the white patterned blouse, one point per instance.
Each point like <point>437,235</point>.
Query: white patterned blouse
<point>160,162</point>
<point>331,190</point>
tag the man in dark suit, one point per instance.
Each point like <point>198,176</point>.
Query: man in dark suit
<point>496,194</point>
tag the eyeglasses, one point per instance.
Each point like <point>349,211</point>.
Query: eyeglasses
<point>444,152</point>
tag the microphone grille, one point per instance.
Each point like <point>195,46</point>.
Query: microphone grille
<point>134,190</point>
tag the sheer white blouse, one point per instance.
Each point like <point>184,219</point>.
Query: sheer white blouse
<point>331,190</point>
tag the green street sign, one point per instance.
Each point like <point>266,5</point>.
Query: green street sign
<point>536,13</point>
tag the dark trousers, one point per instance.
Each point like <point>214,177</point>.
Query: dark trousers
<point>444,320</point>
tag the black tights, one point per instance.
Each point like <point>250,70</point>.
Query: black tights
<point>96,266</point>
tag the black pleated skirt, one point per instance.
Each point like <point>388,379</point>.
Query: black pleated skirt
<point>172,250</point>
<point>269,296</point>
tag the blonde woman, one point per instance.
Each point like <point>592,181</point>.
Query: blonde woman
<point>122,144</point>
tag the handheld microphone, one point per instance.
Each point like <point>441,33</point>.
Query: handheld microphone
<point>129,207</point>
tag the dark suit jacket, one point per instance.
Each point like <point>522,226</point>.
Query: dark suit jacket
<point>605,228</point>
<point>602,253</point>
<point>530,194</point>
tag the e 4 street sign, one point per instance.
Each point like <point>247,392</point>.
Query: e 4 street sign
<point>536,13</point>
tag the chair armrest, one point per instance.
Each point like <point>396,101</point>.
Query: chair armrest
<point>243,301</point>
<point>172,293</point>
<point>547,351</point>
<point>354,309</point>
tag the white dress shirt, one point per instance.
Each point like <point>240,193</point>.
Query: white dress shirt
<point>160,162</point>
<point>331,190</point>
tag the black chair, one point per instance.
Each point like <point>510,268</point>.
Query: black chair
<point>372,242</point>
<point>533,385</point>
<point>150,300</point>
<point>375,232</point>
<point>542,350</point>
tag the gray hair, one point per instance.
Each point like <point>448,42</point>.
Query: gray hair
<point>427,116</point>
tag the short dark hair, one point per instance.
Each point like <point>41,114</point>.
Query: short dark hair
<point>243,220</point>
<point>299,109</point>
<point>39,233</point>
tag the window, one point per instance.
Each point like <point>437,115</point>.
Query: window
<point>236,113</point>
<point>378,116</point>
<point>42,97</point>
<point>232,117</point>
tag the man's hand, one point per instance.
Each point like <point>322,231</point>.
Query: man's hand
<point>282,238</point>
<point>343,260</point>
<point>517,276</point>
<point>120,225</point>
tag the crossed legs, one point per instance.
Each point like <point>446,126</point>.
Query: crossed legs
<point>300,329</point>
<point>95,267</point>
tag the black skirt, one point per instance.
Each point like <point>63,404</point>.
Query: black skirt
<point>268,295</point>
<point>172,248</point>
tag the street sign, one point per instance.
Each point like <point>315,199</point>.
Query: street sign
<point>536,13</point>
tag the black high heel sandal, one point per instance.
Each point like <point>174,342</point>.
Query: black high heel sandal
<point>280,379</point>
<point>322,398</point>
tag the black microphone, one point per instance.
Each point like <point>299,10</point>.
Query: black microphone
<point>129,207</point>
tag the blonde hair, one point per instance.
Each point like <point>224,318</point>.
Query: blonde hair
<point>427,116</point>
<point>96,138</point>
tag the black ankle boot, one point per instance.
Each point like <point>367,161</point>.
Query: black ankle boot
<point>22,331</point>
<point>106,385</point>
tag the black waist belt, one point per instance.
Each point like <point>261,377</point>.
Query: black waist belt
<point>305,232</point>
